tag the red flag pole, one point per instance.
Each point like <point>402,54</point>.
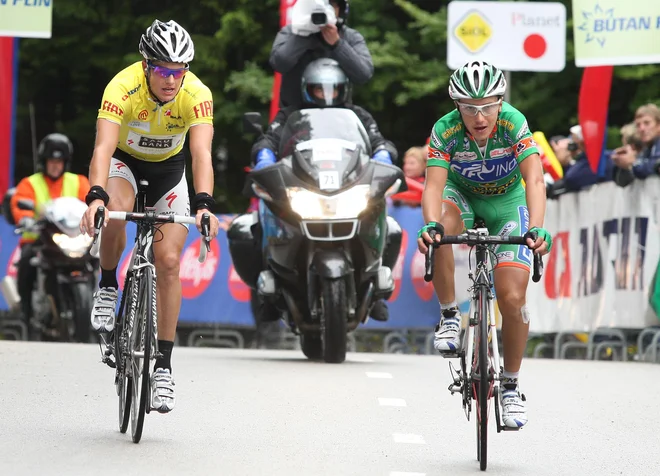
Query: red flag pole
<point>285,5</point>
<point>593,104</point>
<point>8,89</point>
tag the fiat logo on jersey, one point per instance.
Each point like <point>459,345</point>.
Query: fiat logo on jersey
<point>237,288</point>
<point>143,114</point>
<point>195,276</point>
<point>397,272</point>
<point>417,269</point>
<point>12,270</point>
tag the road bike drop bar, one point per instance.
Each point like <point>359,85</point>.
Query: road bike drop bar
<point>472,239</point>
<point>152,218</point>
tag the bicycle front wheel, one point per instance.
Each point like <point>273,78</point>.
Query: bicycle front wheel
<point>482,382</point>
<point>140,343</point>
<point>122,378</point>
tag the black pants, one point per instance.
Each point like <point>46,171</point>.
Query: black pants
<point>27,276</point>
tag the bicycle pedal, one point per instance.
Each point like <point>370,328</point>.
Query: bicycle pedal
<point>109,362</point>
<point>455,388</point>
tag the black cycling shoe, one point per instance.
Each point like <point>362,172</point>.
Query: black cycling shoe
<point>379,311</point>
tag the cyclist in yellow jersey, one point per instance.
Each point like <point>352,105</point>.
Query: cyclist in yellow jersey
<point>146,112</point>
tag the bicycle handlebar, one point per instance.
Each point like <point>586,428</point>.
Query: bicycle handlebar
<point>151,218</point>
<point>472,239</point>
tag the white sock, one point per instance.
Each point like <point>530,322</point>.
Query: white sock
<point>448,306</point>
<point>510,378</point>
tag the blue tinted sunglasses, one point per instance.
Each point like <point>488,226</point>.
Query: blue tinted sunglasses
<point>164,72</point>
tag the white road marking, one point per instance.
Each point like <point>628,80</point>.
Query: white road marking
<point>379,374</point>
<point>408,438</point>
<point>392,402</point>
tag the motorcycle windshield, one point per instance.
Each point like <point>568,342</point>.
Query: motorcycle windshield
<point>328,147</point>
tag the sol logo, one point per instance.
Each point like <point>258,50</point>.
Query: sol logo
<point>143,115</point>
<point>397,272</point>
<point>417,269</point>
<point>237,288</point>
<point>12,270</point>
<point>195,276</point>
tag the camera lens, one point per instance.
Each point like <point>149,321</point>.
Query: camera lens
<point>319,18</point>
<point>572,146</point>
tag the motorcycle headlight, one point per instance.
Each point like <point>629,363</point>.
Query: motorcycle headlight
<point>344,205</point>
<point>73,247</point>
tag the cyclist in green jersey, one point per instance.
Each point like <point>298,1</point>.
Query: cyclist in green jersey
<point>478,156</point>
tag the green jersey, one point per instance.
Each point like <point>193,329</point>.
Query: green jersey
<point>491,170</point>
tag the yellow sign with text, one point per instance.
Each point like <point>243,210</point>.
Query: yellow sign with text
<point>473,32</point>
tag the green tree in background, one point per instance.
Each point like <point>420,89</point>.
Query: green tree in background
<point>92,40</point>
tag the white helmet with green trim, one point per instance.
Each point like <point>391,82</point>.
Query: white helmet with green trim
<point>476,80</point>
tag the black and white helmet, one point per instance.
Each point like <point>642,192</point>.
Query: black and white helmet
<point>168,42</point>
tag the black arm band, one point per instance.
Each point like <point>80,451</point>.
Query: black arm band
<point>97,193</point>
<point>202,200</point>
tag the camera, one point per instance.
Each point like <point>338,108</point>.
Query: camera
<point>319,18</point>
<point>572,146</point>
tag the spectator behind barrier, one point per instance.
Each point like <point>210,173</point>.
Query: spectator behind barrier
<point>631,164</point>
<point>577,171</point>
<point>414,168</point>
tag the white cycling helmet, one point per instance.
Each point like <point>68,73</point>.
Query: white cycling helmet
<point>168,42</point>
<point>476,80</point>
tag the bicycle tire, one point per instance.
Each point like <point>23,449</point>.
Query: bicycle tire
<point>123,380</point>
<point>141,337</point>
<point>483,384</point>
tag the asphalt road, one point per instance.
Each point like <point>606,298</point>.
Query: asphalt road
<point>243,412</point>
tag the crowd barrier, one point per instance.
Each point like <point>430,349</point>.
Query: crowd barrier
<point>598,275</point>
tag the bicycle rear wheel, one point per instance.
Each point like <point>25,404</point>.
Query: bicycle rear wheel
<point>140,344</point>
<point>482,383</point>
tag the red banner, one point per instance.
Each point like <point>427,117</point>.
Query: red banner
<point>592,110</point>
<point>285,6</point>
<point>8,56</point>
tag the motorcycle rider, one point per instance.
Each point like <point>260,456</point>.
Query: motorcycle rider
<point>324,84</point>
<point>51,181</point>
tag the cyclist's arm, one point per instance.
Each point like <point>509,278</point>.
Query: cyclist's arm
<point>107,137</point>
<point>436,179</point>
<point>532,173</point>
<point>201,136</point>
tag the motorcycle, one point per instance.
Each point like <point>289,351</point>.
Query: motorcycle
<point>321,247</point>
<point>67,273</point>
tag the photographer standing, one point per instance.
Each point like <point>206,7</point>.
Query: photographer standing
<point>291,52</point>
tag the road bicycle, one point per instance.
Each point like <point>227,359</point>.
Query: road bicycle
<point>482,352</point>
<point>133,343</point>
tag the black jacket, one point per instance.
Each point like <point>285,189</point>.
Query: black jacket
<point>271,138</point>
<point>292,53</point>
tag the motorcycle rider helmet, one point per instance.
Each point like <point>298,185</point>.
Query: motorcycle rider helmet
<point>55,146</point>
<point>168,42</point>
<point>324,84</point>
<point>476,80</point>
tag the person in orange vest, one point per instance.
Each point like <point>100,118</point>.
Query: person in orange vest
<point>52,181</point>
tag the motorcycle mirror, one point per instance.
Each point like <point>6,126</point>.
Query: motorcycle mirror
<point>252,122</point>
<point>25,204</point>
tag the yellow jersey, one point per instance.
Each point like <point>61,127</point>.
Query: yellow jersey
<point>148,131</point>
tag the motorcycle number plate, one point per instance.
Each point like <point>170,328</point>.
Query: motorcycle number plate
<point>329,180</point>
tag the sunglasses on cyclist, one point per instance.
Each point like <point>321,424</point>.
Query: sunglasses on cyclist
<point>485,109</point>
<point>164,72</point>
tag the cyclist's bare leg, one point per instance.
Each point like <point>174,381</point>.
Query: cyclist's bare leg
<point>113,241</point>
<point>443,275</point>
<point>167,254</point>
<point>447,332</point>
<point>511,289</point>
